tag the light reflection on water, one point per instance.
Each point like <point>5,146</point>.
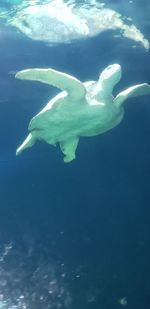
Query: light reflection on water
<point>59,21</point>
<point>27,281</point>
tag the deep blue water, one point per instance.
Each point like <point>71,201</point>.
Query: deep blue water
<point>79,229</point>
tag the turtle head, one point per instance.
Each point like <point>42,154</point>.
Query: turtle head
<point>110,77</point>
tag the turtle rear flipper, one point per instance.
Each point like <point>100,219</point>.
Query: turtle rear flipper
<point>69,148</point>
<point>28,142</point>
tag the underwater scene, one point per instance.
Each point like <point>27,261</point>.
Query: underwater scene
<point>75,154</point>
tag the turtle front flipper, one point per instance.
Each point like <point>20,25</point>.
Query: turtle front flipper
<point>134,91</point>
<point>29,142</point>
<point>57,79</point>
<point>69,148</point>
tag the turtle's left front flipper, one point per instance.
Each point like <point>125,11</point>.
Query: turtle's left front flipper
<point>134,91</point>
<point>63,81</point>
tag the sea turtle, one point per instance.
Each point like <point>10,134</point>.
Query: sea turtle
<point>81,109</point>
<point>59,21</point>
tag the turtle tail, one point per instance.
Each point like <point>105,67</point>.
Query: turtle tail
<point>28,142</point>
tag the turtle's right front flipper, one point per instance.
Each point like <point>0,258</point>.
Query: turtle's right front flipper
<point>61,80</point>
<point>29,142</point>
<point>133,91</point>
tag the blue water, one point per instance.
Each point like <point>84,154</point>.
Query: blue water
<point>74,235</point>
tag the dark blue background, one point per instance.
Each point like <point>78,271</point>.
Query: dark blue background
<point>90,217</point>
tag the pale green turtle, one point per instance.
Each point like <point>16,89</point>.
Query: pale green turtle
<point>81,109</point>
